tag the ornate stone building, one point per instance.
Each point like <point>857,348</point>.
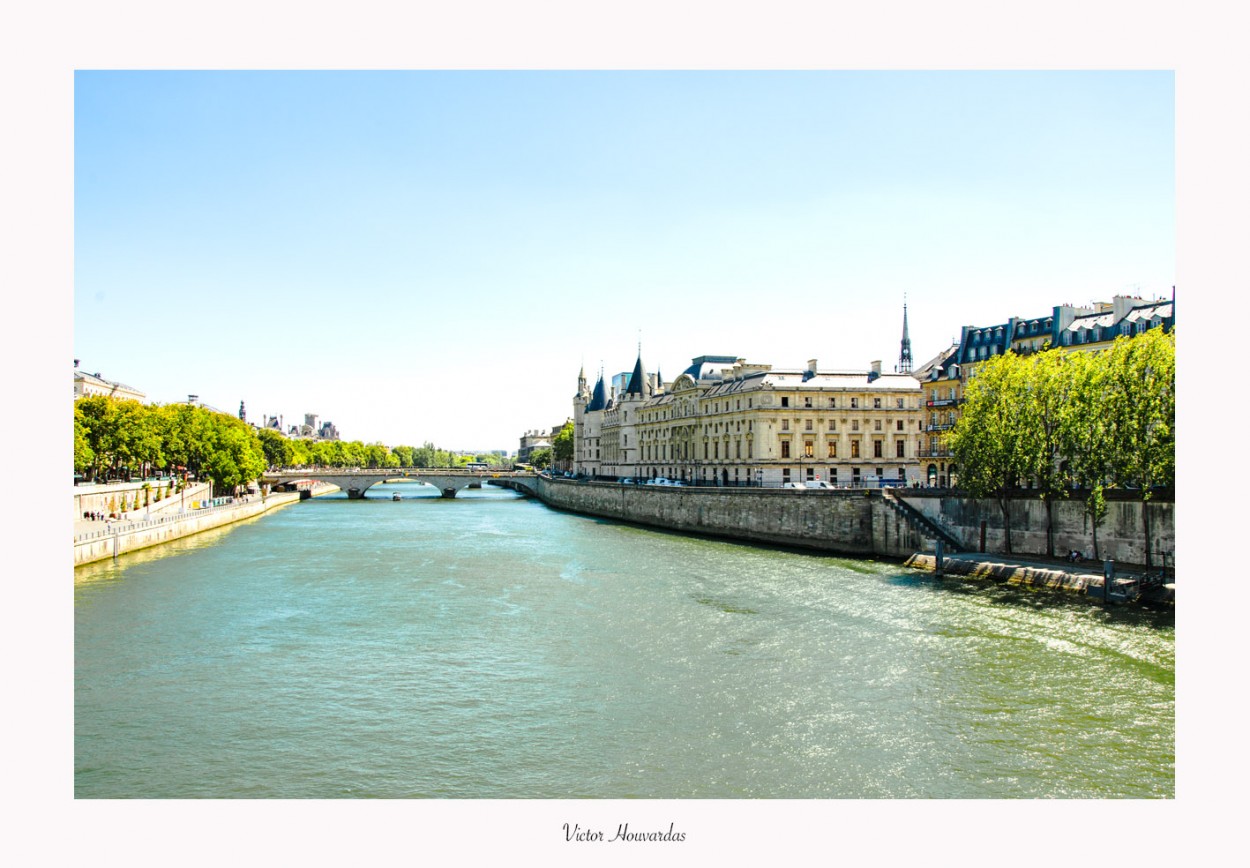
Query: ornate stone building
<point>93,384</point>
<point>723,421</point>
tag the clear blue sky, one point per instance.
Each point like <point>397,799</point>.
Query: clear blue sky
<point>433,255</point>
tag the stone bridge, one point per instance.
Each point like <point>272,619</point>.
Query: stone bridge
<point>356,482</point>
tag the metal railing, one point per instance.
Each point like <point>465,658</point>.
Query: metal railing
<point>117,527</point>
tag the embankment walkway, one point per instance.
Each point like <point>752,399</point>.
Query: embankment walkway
<point>96,541</point>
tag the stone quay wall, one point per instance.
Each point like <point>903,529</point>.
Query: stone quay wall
<point>862,523</point>
<point>857,523</point>
<point>122,537</point>
<point>1121,536</point>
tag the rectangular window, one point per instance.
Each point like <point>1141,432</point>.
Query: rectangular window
<point>876,403</point>
<point>898,426</point>
<point>855,403</point>
<point>785,474</point>
<point>785,401</point>
<point>833,449</point>
<point>807,400</point>
<point>900,403</point>
<point>854,424</point>
<point>785,448</point>
<point>807,426</point>
<point>899,446</point>
<point>876,449</point>
<point>876,425</point>
<point>833,426</point>
<point>854,448</point>
<point>716,449</point>
<point>809,449</point>
<point>833,402</point>
<point>750,448</point>
<point>785,424</point>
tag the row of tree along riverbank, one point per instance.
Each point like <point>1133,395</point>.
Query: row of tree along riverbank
<point>115,438</point>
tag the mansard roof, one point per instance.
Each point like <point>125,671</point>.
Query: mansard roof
<point>805,380</point>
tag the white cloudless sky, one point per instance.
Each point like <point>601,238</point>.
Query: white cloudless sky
<point>433,255</point>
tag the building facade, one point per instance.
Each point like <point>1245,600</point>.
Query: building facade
<point>93,384</point>
<point>725,422</point>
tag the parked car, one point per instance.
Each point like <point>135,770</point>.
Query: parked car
<point>629,480</point>
<point>659,480</point>
<point>793,485</point>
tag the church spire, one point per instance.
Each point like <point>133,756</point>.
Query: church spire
<point>904,353</point>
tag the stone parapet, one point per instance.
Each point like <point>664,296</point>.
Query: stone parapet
<point>122,537</point>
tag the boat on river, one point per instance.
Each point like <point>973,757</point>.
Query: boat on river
<point>397,496</point>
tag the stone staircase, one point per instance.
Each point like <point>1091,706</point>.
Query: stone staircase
<point>921,523</point>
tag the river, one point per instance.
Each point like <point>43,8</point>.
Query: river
<point>489,647</point>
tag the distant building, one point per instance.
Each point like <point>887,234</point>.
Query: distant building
<point>314,429</point>
<point>725,422</point>
<point>194,401</point>
<point>532,441</point>
<point>93,384</point>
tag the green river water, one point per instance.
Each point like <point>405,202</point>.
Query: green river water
<point>489,647</point>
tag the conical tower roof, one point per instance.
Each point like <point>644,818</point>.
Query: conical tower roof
<point>599,399</point>
<point>638,384</point>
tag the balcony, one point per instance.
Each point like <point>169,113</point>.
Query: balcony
<point>944,402</point>
<point>941,426</point>
<point>941,452</point>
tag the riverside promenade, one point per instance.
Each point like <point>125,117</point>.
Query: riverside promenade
<point>140,529</point>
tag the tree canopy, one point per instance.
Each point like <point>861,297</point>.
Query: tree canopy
<point>1056,421</point>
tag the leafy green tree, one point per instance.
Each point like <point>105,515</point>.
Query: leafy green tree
<point>540,458</point>
<point>1141,411</point>
<point>1087,445</point>
<point>991,440</point>
<point>562,446</point>
<point>278,450</point>
<point>403,455</point>
<point>1046,416</point>
<point>84,456</point>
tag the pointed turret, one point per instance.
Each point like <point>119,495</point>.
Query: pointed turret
<point>599,399</point>
<point>904,355</point>
<point>638,384</point>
